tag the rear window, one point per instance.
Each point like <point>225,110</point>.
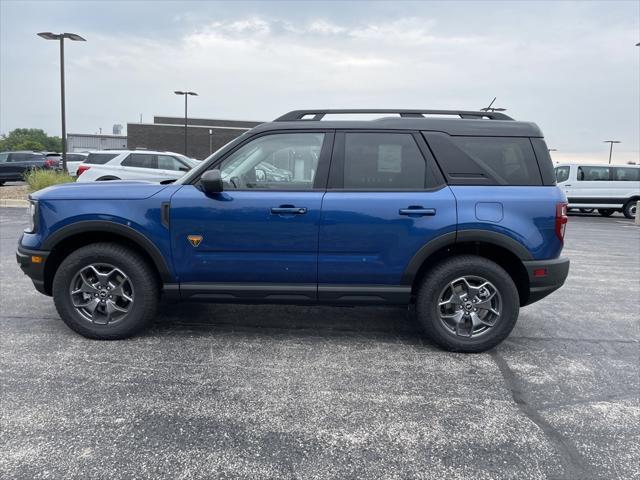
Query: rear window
<point>100,158</point>
<point>486,160</point>
<point>626,174</point>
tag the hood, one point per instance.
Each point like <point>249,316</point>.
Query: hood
<point>111,190</point>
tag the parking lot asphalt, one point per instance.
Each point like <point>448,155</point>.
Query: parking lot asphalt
<point>223,391</point>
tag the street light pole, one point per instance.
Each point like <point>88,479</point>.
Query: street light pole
<point>611,142</point>
<point>60,37</point>
<point>185,93</point>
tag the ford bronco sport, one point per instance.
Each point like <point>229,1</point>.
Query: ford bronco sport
<point>458,216</point>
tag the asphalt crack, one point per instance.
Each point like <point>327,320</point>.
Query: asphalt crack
<point>572,460</point>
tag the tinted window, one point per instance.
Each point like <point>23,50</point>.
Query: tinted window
<point>383,161</point>
<point>140,160</point>
<point>562,174</point>
<point>26,157</point>
<point>626,174</point>
<point>100,158</point>
<point>593,174</point>
<point>74,157</point>
<point>510,160</point>
<point>167,162</point>
<point>3,157</point>
<point>286,161</point>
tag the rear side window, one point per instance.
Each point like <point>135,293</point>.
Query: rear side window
<point>25,157</point>
<point>593,174</point>
<point>4,157</point>
<point>74,157</point>
<point>140,160</point>
<point>100,158</point>
<point>486,160</point>
<point>562,174</point>
<point>383,161</point>
<point>626,174</point>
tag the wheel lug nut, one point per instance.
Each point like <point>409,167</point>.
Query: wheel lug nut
<point>110,296</point>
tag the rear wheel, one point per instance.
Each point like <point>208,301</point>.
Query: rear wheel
<point>586,210</point>
<point>605,212</point>
<point>105,291</point>
<point>629,209</point>
<point>467,304</point>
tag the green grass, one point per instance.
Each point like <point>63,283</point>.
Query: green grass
<point>39,179</point>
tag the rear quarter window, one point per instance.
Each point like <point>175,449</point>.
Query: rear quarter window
<point>467,160</point>
<point>626,174</point>
<point>100,158</point>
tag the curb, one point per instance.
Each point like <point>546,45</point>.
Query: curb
<point>13,203</point>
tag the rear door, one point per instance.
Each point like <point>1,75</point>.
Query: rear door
<point>385,200</point>
<point>141,166</point>
<point>258,239</point>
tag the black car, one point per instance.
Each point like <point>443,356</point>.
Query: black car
<point>13,165</point>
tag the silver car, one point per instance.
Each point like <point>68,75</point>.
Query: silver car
<point>136,165</point>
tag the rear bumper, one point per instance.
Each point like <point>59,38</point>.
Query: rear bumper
<point>545,277</point>
<point>33,269</point>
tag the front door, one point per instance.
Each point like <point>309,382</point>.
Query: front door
<point>258,239</point>
<point>385,200</point>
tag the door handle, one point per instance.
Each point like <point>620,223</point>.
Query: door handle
<point>567,185</point>
<point>418,211</point>
<point>288,210</point>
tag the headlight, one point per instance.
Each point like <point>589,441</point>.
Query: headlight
<point>32,211</point>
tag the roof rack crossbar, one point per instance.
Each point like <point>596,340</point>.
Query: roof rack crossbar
<point>299,115</point>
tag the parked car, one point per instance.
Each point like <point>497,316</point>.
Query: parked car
<point>74,160</point>
<point>13,165</point>
<point>460,218</point>
<point>134,165</point>
<point>608,188</point>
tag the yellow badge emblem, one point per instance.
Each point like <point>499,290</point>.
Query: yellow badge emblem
<point>195,240</point>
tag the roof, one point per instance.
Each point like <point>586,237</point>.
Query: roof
<point>466,123</point>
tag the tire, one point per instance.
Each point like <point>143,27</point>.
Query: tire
<point>130,317</point>
<point>436,285</point>
<point>587,210</point>
<point>104,179</point>
<point>629,209</point>
<point>605,212</point>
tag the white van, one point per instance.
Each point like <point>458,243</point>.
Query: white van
<point>609,188</point>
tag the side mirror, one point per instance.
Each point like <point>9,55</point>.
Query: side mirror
<point>211,181</point>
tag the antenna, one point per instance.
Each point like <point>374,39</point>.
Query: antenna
<point>490,108</point>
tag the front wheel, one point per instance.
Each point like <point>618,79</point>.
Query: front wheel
<point>467,304</point>
<point>605,212</point>
<point>629,209</point>
<point>105,291</point>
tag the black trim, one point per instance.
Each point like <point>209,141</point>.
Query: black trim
<point>600,200</point>
<point>364,294</point>
<point>90,226</point>
<point>297,115</point>
<point>35,271</point>
<point>249,292</point>
<point>421,255</point>
<point>540,287</point>
<point>500,239</point>
<point>165,213</point>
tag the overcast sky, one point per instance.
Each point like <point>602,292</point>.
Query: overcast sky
<point>571,67</point>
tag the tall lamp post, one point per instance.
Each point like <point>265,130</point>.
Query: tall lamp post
<point>611,142</point>
<point>60,37</point>
<point>186,95</point>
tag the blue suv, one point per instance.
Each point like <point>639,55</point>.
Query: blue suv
<point>457,216</point>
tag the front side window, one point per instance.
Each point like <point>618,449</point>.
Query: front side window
<point>167,162</point>
<point>593,174</point>
<point>562,174</point>
<point>383,161</point>
<point>286,161</point>
<point>139,160</point>
<point>626,174</point>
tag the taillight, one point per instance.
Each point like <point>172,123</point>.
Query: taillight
<point>561,220</point>
<point>50,163</point>
<point>82,169</point>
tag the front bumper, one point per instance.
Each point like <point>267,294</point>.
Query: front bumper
<point>32,263</point>
<point>545,277</point>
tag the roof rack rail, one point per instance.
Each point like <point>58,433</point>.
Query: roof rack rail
<point>297,115</point>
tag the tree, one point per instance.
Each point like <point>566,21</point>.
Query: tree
<point>29,139</point>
